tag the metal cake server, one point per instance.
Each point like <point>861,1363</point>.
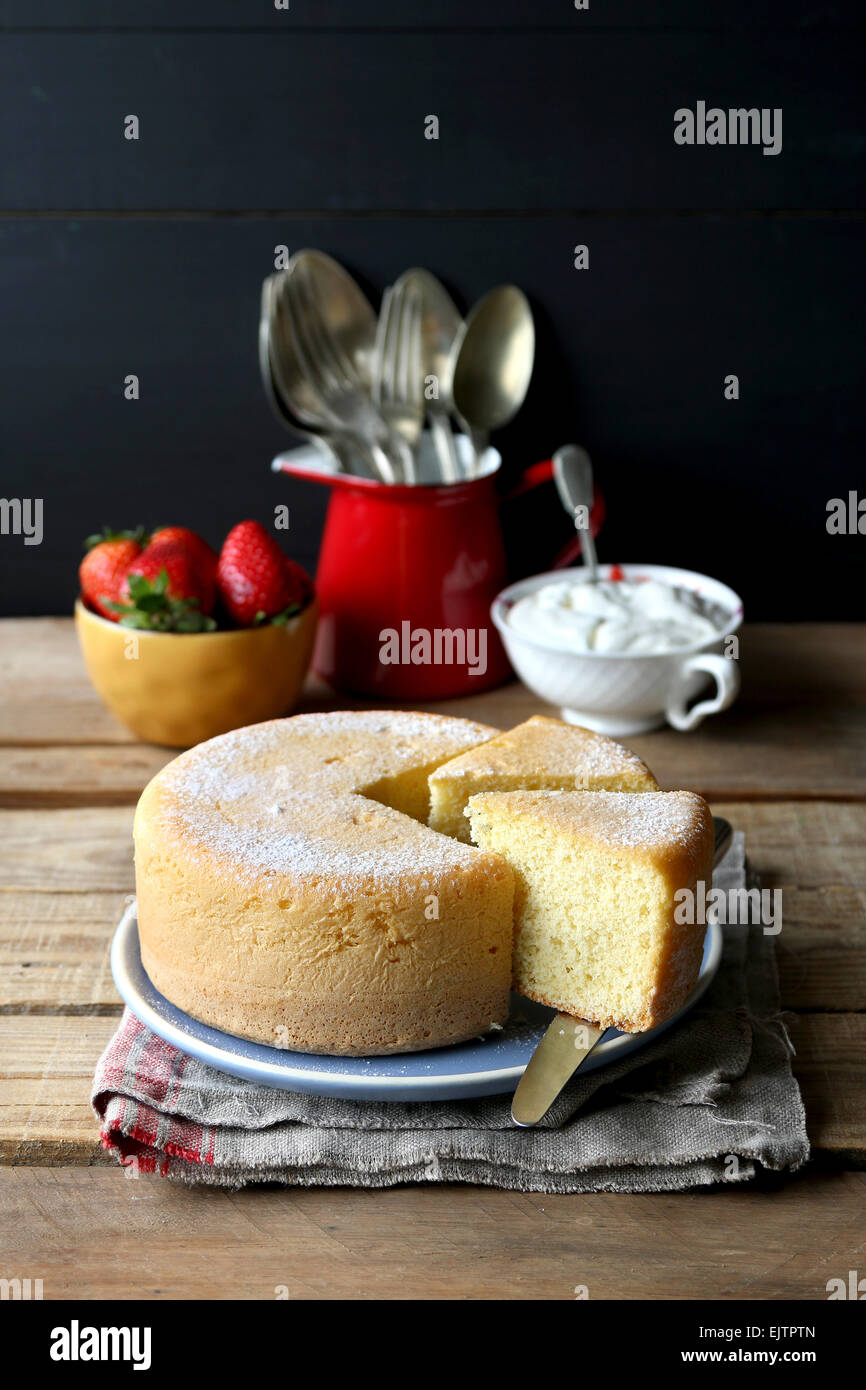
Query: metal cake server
<point>568,1042</point>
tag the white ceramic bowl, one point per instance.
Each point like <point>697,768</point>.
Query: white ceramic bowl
<point>632,692</point>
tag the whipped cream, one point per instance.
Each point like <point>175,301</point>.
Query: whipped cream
<point>622,615</point>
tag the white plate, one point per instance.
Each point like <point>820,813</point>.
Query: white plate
<point>483,1067</point>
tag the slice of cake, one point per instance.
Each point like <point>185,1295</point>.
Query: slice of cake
<point>596,934</point>
<point>542,754</point>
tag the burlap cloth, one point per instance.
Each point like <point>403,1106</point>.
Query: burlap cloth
<point>710,1101</point>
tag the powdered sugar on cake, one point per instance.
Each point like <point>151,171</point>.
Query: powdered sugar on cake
<point>282,798</point>
<point>566,750</point>
<point>643,820</point>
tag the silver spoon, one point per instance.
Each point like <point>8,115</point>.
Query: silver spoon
<point>441,324</point>
<point>492,362</point>
<point>572,473</point>
<point>320,380</point>
<point>345,451</point>
<point>335,324</point>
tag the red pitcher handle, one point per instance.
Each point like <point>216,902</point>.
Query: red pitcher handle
<point>533,477</point>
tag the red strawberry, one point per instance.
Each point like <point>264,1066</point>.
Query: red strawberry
<point>104,568</point>
<point>256,580</point>
<point>202,555</point>
<point>302,581</point>
<point>164,592</point>
<point>182,535</point>
<point>183,579</point>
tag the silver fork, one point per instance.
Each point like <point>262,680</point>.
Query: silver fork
<point>334,379</point>
<point>398,379</point>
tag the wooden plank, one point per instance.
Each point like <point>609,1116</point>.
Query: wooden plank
<point>830,1065</point>
<point>813,853</point>
<point>91,775</point>
<point>82,851</point>
<point>811,664</point>
<point>74,1228</point>
<point>48,1063</point>
<point>600,104</point>
<point>811,745</point>
<point>54,950</point>
<point>719,763</point>
<point>46,695</point>
<point>45,1077</point>
<point>66,873</point>
<point>444,14</point>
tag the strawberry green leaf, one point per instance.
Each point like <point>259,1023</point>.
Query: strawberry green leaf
<point>194,622</point>
<point>153,609</point>
<point>108,533</point>
<point>280,619</point>
<point>150,603</point>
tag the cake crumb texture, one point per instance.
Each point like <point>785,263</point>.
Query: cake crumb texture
<point>596,874</point>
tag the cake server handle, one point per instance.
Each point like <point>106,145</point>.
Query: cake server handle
<point>569,1041</point>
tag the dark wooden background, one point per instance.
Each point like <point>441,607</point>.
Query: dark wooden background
<point>306,127</point>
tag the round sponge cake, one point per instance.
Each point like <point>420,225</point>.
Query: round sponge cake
<point>289,890</point>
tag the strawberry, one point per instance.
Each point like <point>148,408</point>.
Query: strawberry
<point>191,541</point>
<point>180,568</point>
<point>182,535</point>
<point>103,569</point>
<point>164,591</point>
<point>256,581</point>
<point>199,553</point>
<point>302,582</point>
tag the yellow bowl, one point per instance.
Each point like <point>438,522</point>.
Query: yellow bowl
<point>180,688</point>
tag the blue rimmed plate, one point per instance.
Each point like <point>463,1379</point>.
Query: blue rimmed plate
<point>483,1067</point>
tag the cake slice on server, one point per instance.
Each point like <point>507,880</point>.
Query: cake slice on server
<point>541,754</point>
<point>597,874</point>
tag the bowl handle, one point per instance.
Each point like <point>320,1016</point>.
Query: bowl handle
<point>726,674</point>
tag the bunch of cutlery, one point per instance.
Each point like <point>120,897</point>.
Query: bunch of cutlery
<point>363,387</point>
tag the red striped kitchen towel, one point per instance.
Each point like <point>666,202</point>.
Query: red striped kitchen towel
<point>146,1134</point>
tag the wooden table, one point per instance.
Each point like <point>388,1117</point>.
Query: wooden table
<point>786,765</point>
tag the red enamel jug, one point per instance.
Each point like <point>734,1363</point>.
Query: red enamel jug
<point>405,580</point>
